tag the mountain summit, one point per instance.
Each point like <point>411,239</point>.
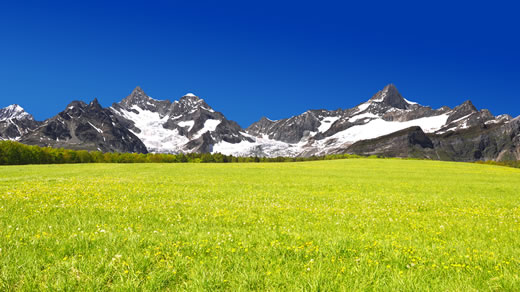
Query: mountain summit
<point>15,122</point>
<point>14,111</point>
<point>391,97</point>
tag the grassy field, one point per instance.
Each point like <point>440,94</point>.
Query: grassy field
<point>328,225</point>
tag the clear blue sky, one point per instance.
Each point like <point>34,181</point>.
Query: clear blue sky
<point>253,58</point>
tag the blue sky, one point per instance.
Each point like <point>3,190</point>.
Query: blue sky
<point>248,59</point>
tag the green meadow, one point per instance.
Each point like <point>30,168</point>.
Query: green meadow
<point>354,224</point>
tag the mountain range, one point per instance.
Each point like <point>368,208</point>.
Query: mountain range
<point>387,124</point>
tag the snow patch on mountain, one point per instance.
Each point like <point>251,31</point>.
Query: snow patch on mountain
<point>326,123</point>
<point>96,128</point>
<point>379,127</point>
<point>409,102</point>
<point>188,124</point>
<point>152,133</point>
<point>363,106</point>
<point>262,146</point>
<point>209,126</point>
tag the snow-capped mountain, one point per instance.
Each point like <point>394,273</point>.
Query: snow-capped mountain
<point>386,124</point>
<point>14,112</point>
<point>319,132</point>
<point>15,122</point>
<point>85,126</point>
<point>497,139</point>
<point>186,125</point>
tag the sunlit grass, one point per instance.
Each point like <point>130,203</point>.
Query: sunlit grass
<point>328,225</point>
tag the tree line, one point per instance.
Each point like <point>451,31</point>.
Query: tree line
<point>14,153</point>
<point>508,163</point>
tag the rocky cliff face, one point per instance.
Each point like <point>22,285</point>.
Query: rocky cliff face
<point>498,140</point>
<point>410,142</point>
<point>85,126</point>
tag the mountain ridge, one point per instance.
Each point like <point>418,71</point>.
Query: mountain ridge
<point>140,123</point>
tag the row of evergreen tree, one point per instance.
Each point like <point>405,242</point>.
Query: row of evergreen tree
<point>14,153</point>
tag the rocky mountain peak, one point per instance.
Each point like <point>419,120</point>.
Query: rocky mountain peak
<point>74,109</point>
<point>14,111</point>
<point>266,120</point>
<point>190,98</point>
<point>467,105</point>
<point>138,92</point>
<point>190,103</point>
<point>137,97</point>
<point>14,107</point>
<point>262,126</point>
<point>390,96</point>
<point>465,109</point>
<point>94,104</point>
<point>76,103</point>
<point>504,118</point>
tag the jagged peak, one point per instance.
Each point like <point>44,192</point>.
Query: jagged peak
<point>190,97</point>
<point>191,103</point>
<point>504,117</point>
<point>138,92</point>
<point>465,109</point>
<point>390,96</point>
<point>390,86</point>
<point>263,121</point>
<point>76,103</point>
<point>137,96</point>
<point>266,119</point>
<point>138,89</point>
<point>14,107</point>
<point>14,111</point>
<point>467,105</point>
<point>95,104</point>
